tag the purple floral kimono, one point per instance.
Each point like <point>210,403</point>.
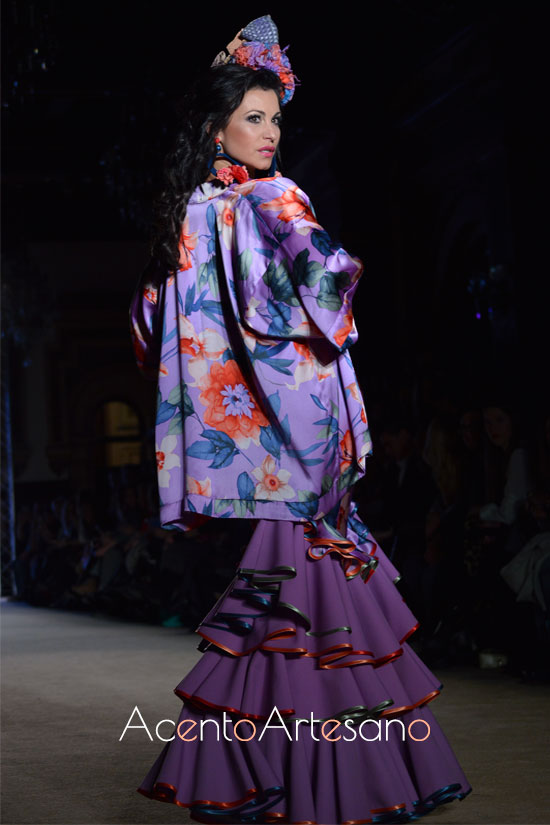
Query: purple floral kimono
<point>259,414</point>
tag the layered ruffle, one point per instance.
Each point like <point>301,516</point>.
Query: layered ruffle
<point>312,628</point>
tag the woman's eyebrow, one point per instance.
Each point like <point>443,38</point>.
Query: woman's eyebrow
<point>261,112</point>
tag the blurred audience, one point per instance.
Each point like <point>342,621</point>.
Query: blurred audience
<point>454,493</point>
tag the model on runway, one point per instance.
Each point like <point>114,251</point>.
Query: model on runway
<point>307,705</point>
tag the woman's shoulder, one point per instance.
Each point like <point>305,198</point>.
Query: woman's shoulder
<point>263,190</point>
<point>277,201</point>
<point>518,460</point>
<point>256,190</point>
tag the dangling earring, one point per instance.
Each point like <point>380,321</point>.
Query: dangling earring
<point>236,172</point>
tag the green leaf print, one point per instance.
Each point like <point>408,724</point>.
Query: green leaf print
<point>176,425</point>
<point>280,284</point>
<point>244,262</point>
<point>328,297</point>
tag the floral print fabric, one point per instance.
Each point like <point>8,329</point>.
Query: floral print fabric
<point>259,414</point>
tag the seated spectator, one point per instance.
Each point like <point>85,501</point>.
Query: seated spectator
<point>460,491</point>
<point>499,426</point>
<point>408,494</point>
<point>489,530</point>
<point>471,475</point>
<point>441,453</point>
<point>542,462</point>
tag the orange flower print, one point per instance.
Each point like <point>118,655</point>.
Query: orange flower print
<point>308,367</point>
<point>150,293</point>
<point>356,395</point>
<point>271,485</point>
<point>303,350</point>
<point>341,334</point>
<point>226,218</point>
<point>230,406</point>
<point>141,353</point>
<point>245,188</point>
<point>293,208</point>
<point>199,488</point>
<point>346,447</point>
<point>227,221</point>
<point>188,242</point>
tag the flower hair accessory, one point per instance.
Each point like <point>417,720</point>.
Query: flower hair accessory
<point>257,46</point>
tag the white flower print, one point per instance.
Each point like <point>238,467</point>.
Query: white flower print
<point>166,459</point>
<point>272,486</point>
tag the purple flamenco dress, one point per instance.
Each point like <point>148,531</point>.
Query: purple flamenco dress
<point>307,704</point>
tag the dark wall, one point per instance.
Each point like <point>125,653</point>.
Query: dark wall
<point>420,137</point>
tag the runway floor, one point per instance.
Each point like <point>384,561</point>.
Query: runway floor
<point>71,681</point>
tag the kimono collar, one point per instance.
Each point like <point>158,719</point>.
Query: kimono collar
<point>206,191</point>
<point>210,189</point>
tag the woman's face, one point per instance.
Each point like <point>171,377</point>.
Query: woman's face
<point>498,426</point>
<point>254,130</point>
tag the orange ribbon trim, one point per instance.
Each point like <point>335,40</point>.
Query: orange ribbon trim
<point>351,565</point>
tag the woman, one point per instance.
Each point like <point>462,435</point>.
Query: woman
<point>244,319</point>
<point>499,426</point>
<point>496,531</point>
<point>508,478</point>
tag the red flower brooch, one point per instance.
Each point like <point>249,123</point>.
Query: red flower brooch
<point>230,174</point>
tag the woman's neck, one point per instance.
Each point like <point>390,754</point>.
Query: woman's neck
<point>222,164</point>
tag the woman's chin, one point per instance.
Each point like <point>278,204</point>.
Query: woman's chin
<point>263,167</point>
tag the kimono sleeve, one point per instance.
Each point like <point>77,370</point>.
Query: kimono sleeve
<point>295,281</point>
<point>145,322</point>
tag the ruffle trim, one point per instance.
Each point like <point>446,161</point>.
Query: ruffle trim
<point>254,807</point>
<point>260,590</point>
<point>357,713</point>
<point>252,606</point>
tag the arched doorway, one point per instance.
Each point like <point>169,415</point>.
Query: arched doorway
<point>118,439</point>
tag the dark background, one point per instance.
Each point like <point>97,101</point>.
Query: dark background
<point>419,132</point>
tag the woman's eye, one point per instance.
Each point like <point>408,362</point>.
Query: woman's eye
<point>254,118</point>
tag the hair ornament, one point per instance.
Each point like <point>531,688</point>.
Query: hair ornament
<point>257,46</point>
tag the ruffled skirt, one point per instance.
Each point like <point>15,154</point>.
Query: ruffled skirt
<point>308,705</point>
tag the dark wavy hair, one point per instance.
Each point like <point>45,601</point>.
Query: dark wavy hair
<point>205,109</point>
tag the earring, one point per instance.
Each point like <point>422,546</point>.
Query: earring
<point>235,172</point>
